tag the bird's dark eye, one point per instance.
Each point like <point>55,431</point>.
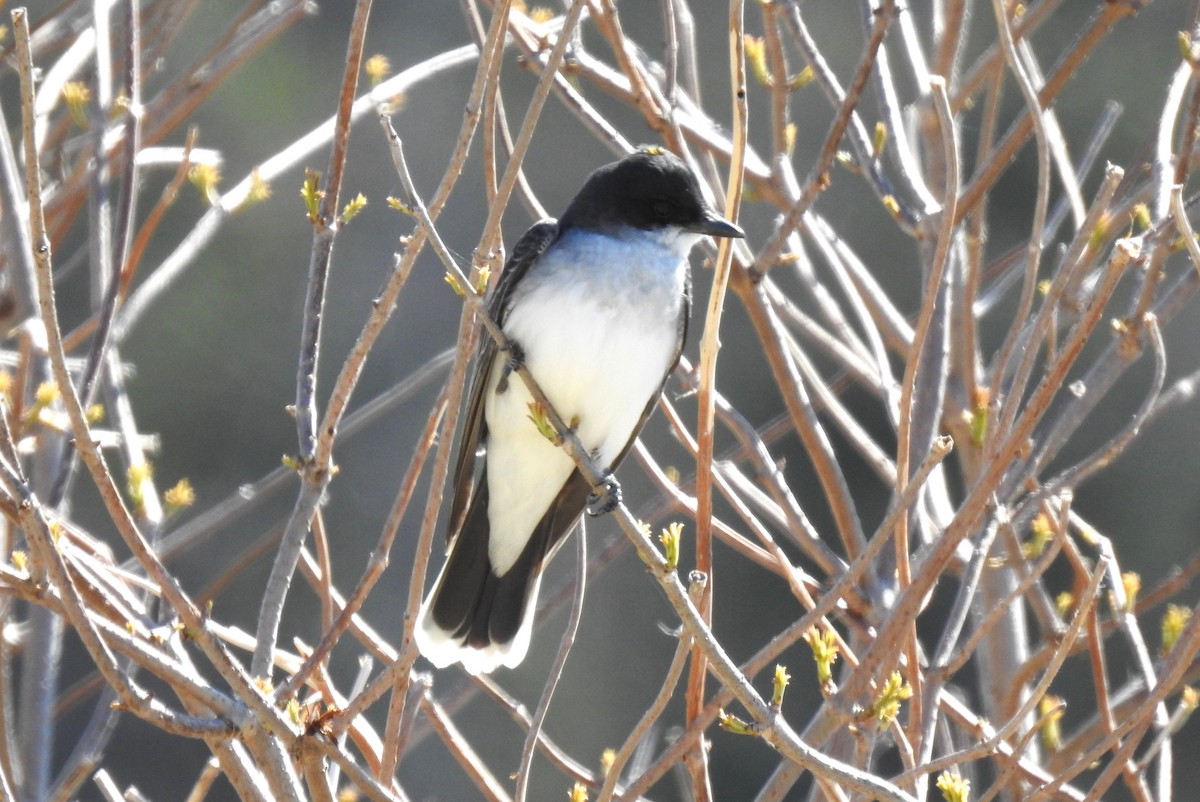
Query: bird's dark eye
<point>663,209</point>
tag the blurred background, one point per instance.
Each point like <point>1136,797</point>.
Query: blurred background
<point>215,358</point>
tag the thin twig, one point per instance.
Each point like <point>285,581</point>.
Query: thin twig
<point>707,368</point>
<point>315,470</point>
<point>556,670</point>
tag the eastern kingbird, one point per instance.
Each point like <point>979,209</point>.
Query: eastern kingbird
<point>596,306</point>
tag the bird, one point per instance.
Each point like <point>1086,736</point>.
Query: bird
<point>595,305</point>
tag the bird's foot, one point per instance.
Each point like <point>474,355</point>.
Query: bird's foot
<point>515,361</point>
<point>607,501</point>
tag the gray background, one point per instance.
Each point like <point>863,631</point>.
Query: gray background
<point>216,358</point>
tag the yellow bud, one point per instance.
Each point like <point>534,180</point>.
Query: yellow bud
<point>180,496</point>
<point>356,205</point>
<point>886,707</point>
<point>311,194</point>
<point>671,538</point>
<point>756,58</point>
<point>1141,216</point>
<point>46,394</point>
<point>77,95</point>
<point>1174,620</point>
<point>1131,581</point>
<point>789,138</point>
<point>892,205</point>
<point>205,178</point>
<point>1041,533</point>
<point>377,68</point>
<point>1187,50</point>
<point>879,142</point>
<point>779,685</point>
<point>541,419</point>
<point>824,645</point>
<point>731,723</point>
<point>953,787</point>
<point>481,283</point>
<point>1051,709</point>
<point>140,472</point>
<point>293,710</point>
<point>259,191</point>
<point>801,79</point>
<point>1064,602</point>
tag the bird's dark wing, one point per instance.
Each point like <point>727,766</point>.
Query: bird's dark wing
<point>502,620</point>
<point>532,244</point>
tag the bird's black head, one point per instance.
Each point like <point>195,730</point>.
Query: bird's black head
<point>650,189</point>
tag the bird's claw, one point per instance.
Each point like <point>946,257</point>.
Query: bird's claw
<point>604,503</point>
<point>515,361</point>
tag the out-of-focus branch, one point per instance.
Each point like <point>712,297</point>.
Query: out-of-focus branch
<point>314,451</point>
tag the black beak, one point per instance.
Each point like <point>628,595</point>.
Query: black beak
<point>714,225</point>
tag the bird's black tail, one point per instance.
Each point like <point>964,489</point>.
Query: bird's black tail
<point>480,619</point>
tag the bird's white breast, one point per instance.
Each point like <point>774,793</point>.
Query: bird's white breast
<point>597,317</point>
